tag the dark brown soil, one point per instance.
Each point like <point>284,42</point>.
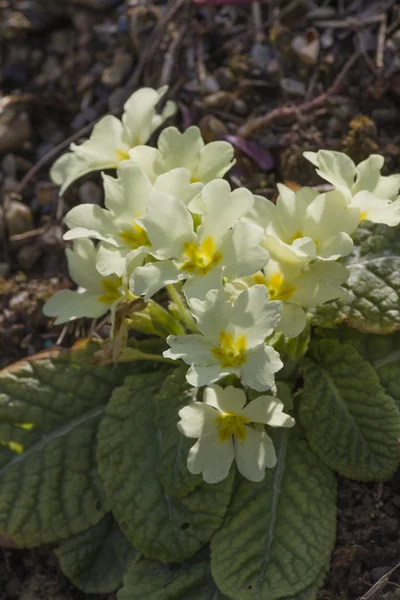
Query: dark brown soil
<point>64,64</point>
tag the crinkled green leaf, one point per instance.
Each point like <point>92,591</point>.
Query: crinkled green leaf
<point>350,421</point>
<point>50,408</point>
<point>373,285</point>
<point>160,526</point>
<point>381,351</point>
<point>174,447</point>
<point>278,534</point>
<point>96,560</point>
<point>311,591</point>
<point>151,580</point>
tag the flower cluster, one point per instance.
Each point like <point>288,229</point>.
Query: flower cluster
<point>238,267</point>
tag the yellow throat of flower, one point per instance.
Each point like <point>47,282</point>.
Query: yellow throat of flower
<point>121,155</point>
<point>277,288</point>
<point>201,259</point>
<point>111,291</point>
<point>231,353</point>
<point>231,424</point>
<point>135,237</point>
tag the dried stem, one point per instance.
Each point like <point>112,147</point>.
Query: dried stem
<point>291,111</point>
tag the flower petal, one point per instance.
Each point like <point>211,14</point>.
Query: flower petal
<point>198,420</point>
<point>254,454</point>
<point>241,252</point>
<point>199,376</point>
<point>198,287</point>
<point>150,278</point>
<point>319,283</point>
<point>222,208</point>
<point>70,167</point>
<point>104,145</point>
<point>258,372</point>
<point>179,149</point>
<point>190,348</point>
<point>227,400</point>
<point>169,225</point>
<point>293,320</point>
<point>211,457</point>
<point>177,183</point>
<point>213,315</point>
<point>146,158</point>
<point>82,265</point>
<point>67,305</point>
<point>215,159</point>
<point>254,315</point>
<point>377,210</point>
<point>89,220</point>
<point>137,188</point>
<point>140,117</point>
<point>335,167</point>
<point>268,410</point>
<point>368,173</point>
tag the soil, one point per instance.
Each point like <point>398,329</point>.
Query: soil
<point>320,74</point>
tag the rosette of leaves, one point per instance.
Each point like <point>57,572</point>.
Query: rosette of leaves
<point>91,461</point>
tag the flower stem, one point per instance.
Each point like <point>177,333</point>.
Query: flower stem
<point>182,308</point>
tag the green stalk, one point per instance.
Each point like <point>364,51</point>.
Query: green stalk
<point>182,308</point>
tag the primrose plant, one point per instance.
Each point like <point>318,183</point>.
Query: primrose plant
<point>253,352</point>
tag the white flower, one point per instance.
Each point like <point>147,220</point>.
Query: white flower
<point>340,171</point>
<point>363,185</point>
<point>231,339</point>
<point>97,294</point>
<point>305,225</point>
<point>223,425</point>
<point>118,225</point>
<point>205,162</point>
<point>301,288</point>
<point>220,242</point>
<point>111,139</point>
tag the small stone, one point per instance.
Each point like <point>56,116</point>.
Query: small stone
<point>90,193</point>
<point>378,572</point>
<point>52,239</point>
<point>19,299</point>
<point>28,255</point>
<point>18,217</point>
<point>293,87</point>
<point>217,100</point>
<point>44,191</point>
<point>210,85</point>
<point>15,130</point>
<point>116,99</point>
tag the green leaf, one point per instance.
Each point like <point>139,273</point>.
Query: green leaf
<point>160,526</point>
<point>381,351</point>
<point>278,534</point>
<point>373,285</point>
<point>349,420</point>
<point>96,560</point>
<point>174,447</point>
<point>50,408</point>
<point>151,580</point>
<point>311,591</point>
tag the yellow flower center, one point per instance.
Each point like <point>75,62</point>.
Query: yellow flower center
<point>200,259</point>
<point>277,288</point>
<point>296,236</point>
<point>231,424</point>
<point>363,215</point>
<point>111,291</point>
<point>135,237</point>
<point>121,155</point>
<point>230,353</point>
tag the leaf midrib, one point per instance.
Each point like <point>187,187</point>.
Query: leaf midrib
<point>46,439</point>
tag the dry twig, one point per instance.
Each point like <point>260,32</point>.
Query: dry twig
<point>291,111</point>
